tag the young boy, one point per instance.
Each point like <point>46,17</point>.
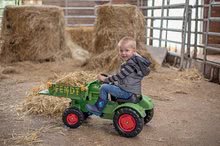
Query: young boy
<point>127,82</point>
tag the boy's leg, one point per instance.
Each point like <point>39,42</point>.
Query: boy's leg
<point>100,103</point>
<point>113,90</point>
<point>103,99</point>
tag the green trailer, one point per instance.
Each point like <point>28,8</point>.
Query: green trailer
<point>128,116</point>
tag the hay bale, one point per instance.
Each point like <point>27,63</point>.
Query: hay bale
<point>112,24</point>
<point>83,36</point>
<point>52,105</point>
<point>45,105</point>
<point>106,61</point>
<point>33,33</point>
<point>115,22</point>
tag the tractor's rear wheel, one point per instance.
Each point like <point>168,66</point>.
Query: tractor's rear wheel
<point>72,117</point>
<point>128,122</point>
<point>149,115</point>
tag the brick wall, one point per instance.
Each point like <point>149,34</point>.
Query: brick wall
<point>213,26</point>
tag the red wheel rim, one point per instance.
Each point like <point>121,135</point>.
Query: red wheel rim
<point>72,119</point>
<point>127,122</point>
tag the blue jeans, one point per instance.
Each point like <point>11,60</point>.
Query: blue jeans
<point>114,91</point>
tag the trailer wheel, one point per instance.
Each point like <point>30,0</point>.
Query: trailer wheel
<point>72,117</point>
<point>149,115</point>
<point>128,122</point>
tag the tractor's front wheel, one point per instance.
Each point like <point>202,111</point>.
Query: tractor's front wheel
<point>149,115</point>
<point>72,117</point>
<point>86,115</point>
<point>128,122</point>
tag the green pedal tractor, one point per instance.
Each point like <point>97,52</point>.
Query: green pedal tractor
<point>129,116</point>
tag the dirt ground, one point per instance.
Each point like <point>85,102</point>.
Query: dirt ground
<point>186,112</point>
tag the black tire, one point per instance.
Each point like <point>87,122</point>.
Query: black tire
<point>135,120</point>
<point>149,115</point>
<point>72,117</point>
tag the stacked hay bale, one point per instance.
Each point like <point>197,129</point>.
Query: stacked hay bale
<point>115,22</point>
<point>33,33</point>
<point>112,24</point>
<point>83,36</point>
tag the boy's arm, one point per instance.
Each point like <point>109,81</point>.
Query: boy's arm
<point>124,72</point>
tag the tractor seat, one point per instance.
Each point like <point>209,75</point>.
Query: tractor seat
<point>133,99</point>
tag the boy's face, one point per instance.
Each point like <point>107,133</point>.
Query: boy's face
<point>125,52</point>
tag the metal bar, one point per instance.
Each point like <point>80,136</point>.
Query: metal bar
<point>168,3</point>
<point>78,8</point>
<point>152,25</point>
<point>173,6</point>
<point>161,22</point>
<point>212,48</point>
<point>138,3</point>
<point>199,19</point>
<point>206,39</point>
<point>201,46</point>
<point>196,31</point>
<point>189,32</point>
<point>214,33</point>
<point>201,23</point>
<point>73,25</point>
<point>185,19</point>
<point>215,3</point>
<point>165,40</point>
<point>208,62</point>
<point>200,6</point>
<point>211,19</point>
<point>180,30</point>
<point>66,12</point>
<point>167,29</point>
<point>216,19</point>
<point>141,2</point>
<point>81,16</point>
<point>189,38</point>
<point>167,18</point>
<point>191,45</point>
<point>199,32</point>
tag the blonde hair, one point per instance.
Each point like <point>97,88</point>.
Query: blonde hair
<point>129,41</point>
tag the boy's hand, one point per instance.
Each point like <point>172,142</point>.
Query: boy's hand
<point>101,78</point>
